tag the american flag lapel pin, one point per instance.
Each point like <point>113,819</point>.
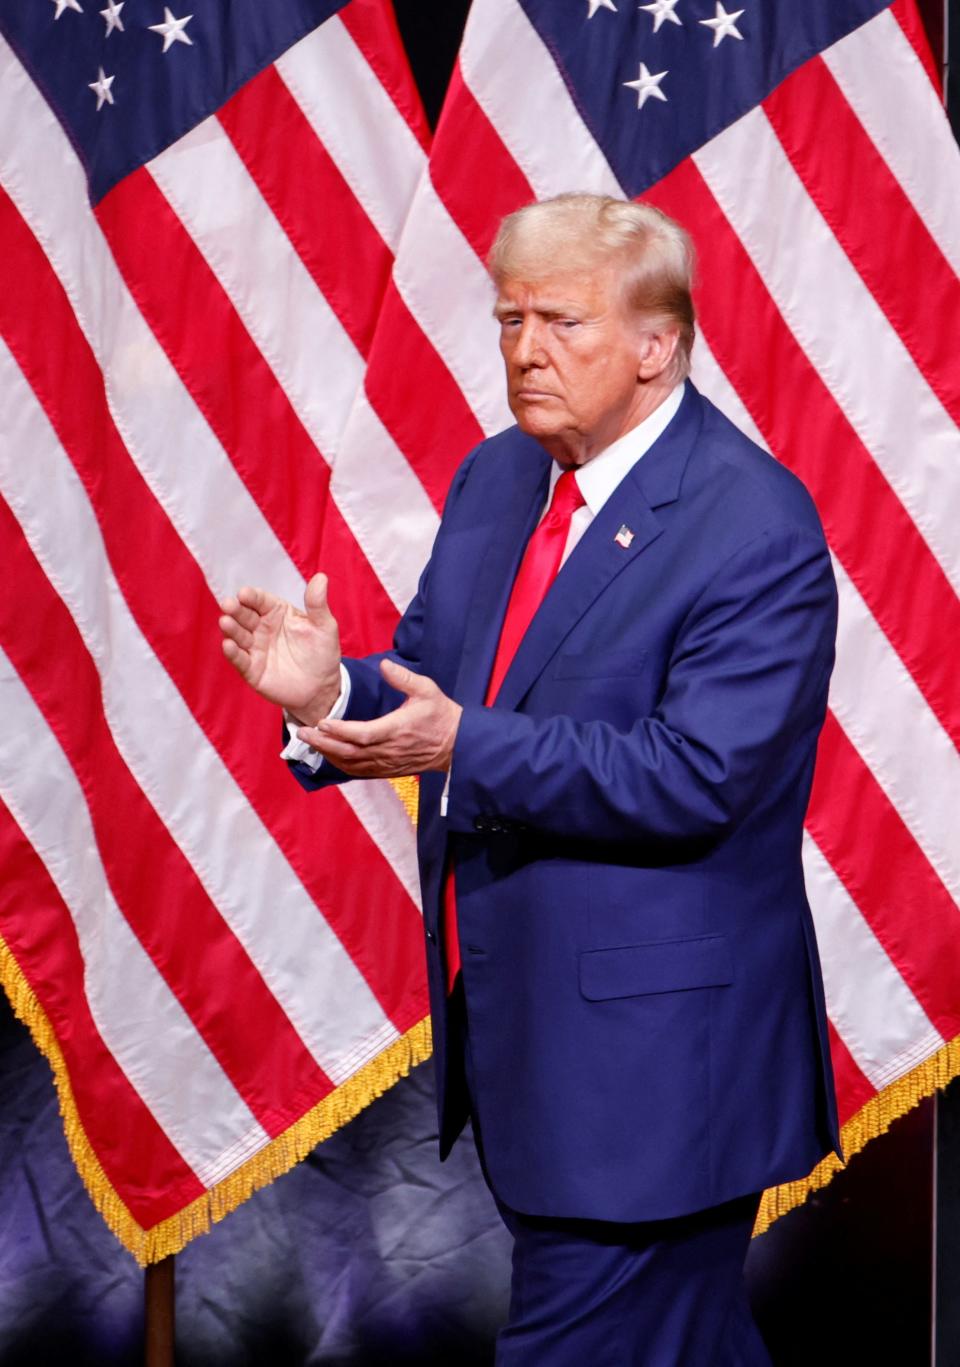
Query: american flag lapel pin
<point>623,537</point>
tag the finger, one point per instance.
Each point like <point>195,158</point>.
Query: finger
<point>232,629</point>
<point>329,746</point>
<point>361,733</point>
<point>414,685</point>
<point>231,607</point>
<point>258,600</point>
<point>315,601</point>
<point>344,754</point>
<point>352,759</point>
<point>240,659</point>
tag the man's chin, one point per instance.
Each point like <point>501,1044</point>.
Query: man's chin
<point>545,433</point>
<point>537,420</point>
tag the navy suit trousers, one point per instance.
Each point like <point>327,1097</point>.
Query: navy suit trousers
<point>663,1293</point>
<point>596,1293</point>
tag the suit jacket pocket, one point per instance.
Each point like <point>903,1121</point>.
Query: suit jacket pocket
<point>599,664</point>
<point>659,966</point>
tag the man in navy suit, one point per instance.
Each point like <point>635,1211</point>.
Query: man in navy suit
<point>616,757</point>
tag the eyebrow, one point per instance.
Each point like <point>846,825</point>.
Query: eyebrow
<point>548,310</point>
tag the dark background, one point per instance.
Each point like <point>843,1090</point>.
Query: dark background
<point>371,1254</point>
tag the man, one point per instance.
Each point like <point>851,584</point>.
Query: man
<point>616,758</point>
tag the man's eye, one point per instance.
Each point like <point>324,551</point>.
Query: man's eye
<point>567,324</point>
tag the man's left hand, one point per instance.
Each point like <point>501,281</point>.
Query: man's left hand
<point>416,737</point>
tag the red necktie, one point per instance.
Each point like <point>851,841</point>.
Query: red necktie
<point>538,569</point>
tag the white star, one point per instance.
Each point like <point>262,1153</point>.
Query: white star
<point>600,4</point>
<point>646,86</point>
<point>172,29</point>
<point>112,15</point>
<point>662,10</point>
<point>63,5</point>
<point>724,25</point>
<point>101,88</point>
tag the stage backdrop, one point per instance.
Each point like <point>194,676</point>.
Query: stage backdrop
<point>245,333</point>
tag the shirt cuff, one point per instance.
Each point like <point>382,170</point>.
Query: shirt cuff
<point>297,751</point>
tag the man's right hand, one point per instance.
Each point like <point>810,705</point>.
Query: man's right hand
<point>290,657</point>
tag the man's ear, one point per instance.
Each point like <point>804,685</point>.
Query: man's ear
<point>656,351</point>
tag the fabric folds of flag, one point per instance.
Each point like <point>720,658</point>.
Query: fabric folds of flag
<point>264,350</point>
<point>198,218</point>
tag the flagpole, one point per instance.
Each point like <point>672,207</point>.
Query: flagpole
<point>159,1313</point>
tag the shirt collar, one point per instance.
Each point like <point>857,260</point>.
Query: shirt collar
<point>601,475</point>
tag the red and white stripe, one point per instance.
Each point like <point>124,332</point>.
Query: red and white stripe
<point>180,372</point>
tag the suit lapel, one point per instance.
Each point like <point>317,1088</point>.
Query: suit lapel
<point>599,556</point>
<point>518,499</point>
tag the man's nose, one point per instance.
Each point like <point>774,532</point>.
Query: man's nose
<point>529,350</point>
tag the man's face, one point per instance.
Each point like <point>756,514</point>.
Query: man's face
<point>573,358</point>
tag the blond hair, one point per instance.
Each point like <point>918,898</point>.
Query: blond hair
<point>653,255</point>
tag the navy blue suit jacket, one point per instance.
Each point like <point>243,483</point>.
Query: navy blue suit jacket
<point>644,995</point>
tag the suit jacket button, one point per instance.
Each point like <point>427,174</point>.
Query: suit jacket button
<point>431,936</point>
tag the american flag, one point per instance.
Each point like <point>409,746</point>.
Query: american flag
<point>265,350</point>
<point>220,971</point>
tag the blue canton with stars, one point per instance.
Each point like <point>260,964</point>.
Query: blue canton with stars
<point>654,81</point>
<point>127,78</point>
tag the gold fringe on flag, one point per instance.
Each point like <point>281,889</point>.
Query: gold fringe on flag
<point>276,1158</point>
<point>369,1082</point>
<point>408,791</point>
<point>873,1119</point>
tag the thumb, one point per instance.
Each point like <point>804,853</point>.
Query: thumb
<point>315,601</point>
<point>398,676</point>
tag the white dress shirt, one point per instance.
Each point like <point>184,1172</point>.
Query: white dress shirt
<point>596,481</point>
<point>600,476</point>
